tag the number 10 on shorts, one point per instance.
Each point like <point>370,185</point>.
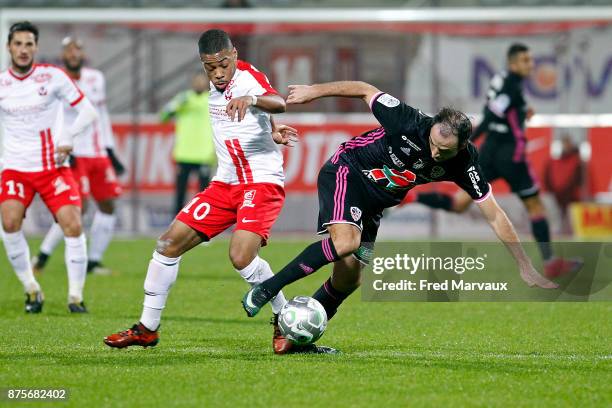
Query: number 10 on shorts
<point>200,211</point>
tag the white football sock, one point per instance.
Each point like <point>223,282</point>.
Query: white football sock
<point>18,253</point>
<point>258,271</point>
<point>161,275</point>
<point>75,256</point>
<point>52,239</point>
<point>100,235</point>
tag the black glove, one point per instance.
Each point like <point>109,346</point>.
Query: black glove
<point>119,168</point>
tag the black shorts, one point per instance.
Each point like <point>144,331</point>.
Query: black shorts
<point>498,162</point>
<point>344,198</point>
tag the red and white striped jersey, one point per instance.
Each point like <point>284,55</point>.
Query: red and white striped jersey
<point>31,114</point>
<point>97,137</point>
<point>246,152</point>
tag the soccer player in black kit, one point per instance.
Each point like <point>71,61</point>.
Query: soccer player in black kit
<point>374,171</point>
<point>503,155</point>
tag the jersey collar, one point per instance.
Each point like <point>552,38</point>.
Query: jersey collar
<point>22,77</point>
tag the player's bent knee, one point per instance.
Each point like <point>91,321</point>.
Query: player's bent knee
<point>10,224</point>
<point>240,259</point>
<point>168,247</point>
<point>346,245</point>
<point>72,228</point>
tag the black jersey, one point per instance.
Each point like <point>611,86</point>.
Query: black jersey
<point>396,157</point>
<point>504,116</point>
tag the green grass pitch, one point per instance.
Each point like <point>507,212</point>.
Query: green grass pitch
<point>211,354</point>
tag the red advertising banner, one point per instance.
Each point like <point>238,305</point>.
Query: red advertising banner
<point>149,156</point>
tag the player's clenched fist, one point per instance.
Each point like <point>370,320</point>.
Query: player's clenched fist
<point>300,94</point>
<point>239,106</point>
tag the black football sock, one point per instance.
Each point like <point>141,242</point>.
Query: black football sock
<point>314,257</point>
<point>541,232</point>
<point>330,298</point>
<point>436,200</point>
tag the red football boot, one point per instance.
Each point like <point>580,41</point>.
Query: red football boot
<point>138,335</point>
<point>280,344</point>
<point>556,267</point>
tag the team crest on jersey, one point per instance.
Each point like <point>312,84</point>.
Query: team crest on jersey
<point>388,100</point>
<point>42,91</point>
<point>419,164</point>
<point>227,93</point>
<point>437,172</point>
<point>60,186</point>
<point>355,213</point>
<point>249,197</point>
<point>394,179</point>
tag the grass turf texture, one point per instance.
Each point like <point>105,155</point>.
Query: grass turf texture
<point>211,354</point>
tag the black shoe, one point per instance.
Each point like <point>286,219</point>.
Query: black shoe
<point>255,299</point>
<point>39,262</point>
<point>77,307</point>
<point>34,302</point>
<point>312,349</point>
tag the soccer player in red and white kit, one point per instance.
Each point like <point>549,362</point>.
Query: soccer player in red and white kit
<point>94,167</point>
<point>247,190</point>
<point>36,146</point>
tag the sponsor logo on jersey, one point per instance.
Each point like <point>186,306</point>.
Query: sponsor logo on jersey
<point>394,158</point>
<point>388,100</point>
<point>475,178</point>
<point>411,143</point>
<point>42,77</point>
<point>355,213</point>
<point>419,164</point>
<point>437,172</point>
<point>249,196</point>
<point>405,150</point>
<point>396,179</point>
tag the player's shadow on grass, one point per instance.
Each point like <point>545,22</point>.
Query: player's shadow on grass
<point>207,277</point>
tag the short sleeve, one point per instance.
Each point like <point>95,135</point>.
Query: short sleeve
<point>260,85</point>
<point>394,115</point>
<point>68,91</point>
<point>472,180</point>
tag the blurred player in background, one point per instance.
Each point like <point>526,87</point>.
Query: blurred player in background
<point>94,164</point>
<point>503,155</point>
<point>194,148</point>
<point>36,148</point>
<point>375,171</point>
<point>247,190</point>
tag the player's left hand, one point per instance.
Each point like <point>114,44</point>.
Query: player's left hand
<point>238,106</point>
<point>285,135</point>
<point>62,153</point>
<point>530,113</point>
<point>532,278</point>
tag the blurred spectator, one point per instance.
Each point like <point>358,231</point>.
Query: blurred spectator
<point>236,4</point>
<point>563,177</point>
<point>194,149</point>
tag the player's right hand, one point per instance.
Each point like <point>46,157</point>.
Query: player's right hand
<point>238,106</point>
<point>285,135</point>
<point>62,153</point>
<point>300,94</point>
<point>532,278</point>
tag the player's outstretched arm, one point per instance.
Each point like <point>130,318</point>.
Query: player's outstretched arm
<point>267,103</point>
<point>497,218</point>
<point>299,94</point>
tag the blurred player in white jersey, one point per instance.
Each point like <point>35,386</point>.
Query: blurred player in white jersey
<point>95,166</point>
<point>36,145</point>
<point>247,190</point>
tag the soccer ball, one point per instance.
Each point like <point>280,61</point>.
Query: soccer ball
<point>302,320</point>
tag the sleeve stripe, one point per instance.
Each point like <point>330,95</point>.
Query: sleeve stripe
<point>77,100</point>
<point>259,77</point>
<point>486,196</point>
<point>374,99</point>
